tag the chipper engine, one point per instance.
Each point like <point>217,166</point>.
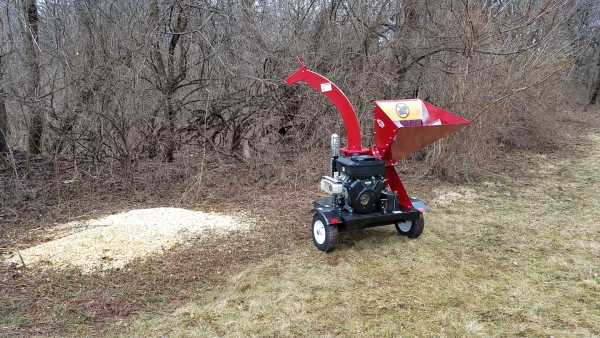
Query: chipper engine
<point>364,188</point>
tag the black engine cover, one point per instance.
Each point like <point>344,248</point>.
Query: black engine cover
<point>360,166</point>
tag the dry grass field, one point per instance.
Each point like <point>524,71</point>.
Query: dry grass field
<point>517,255</point>
<point>513,257</point>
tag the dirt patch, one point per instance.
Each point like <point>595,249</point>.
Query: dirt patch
<point>101,309</point>
<point>112,242</point>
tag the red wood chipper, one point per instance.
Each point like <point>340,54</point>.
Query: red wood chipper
<point>365,190</point>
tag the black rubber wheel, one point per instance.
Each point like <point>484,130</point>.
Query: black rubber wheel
<point>411,229</point>
<point>325,236</point>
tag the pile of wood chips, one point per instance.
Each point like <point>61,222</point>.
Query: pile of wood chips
<point>112,242</point>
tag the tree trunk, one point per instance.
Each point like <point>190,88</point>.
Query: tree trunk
<point>153,143</point>
<point>3,124</point>
<point>246,151</point>
<point>36,125</point>
<point>595,85</point>
<point>3,114</point>
<point>170,141</point>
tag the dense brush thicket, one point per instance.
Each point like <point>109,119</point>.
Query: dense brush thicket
<point>127,82</point>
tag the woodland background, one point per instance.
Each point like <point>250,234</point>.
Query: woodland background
<point>164,91</point>
<point>113,106</point>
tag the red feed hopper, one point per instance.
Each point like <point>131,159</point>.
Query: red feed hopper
<point>403,127</point>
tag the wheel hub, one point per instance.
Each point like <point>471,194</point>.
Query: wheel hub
<point>405,226</point>
<point>319,232</point>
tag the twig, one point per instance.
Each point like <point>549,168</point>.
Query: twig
<point>21,257</point>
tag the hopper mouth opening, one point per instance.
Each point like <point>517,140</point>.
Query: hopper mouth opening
<point>403,127</point>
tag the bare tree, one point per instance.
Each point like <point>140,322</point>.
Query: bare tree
<point>32,57</point>
<point>170,69</point>
<point>3,113</point>
<point>3,116</point>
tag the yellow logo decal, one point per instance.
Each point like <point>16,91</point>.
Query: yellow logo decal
<point>402,110</point>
